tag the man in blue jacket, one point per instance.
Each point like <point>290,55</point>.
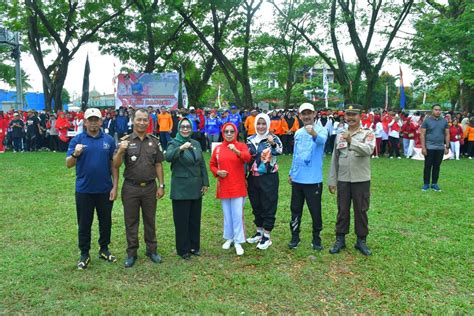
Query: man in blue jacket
<point>306,175</point>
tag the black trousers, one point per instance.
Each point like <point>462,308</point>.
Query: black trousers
<point>384,147</point>
<point>86,203</point>
<point>263,196</point>
<point>312,194</point>
<point>433,161</point>
<point>359,194</point>
<point>394,151</point>
<point>470,149</point>
<point>187,224</point>
<point>329,146</point>
<point>133,198</point>
<point>287,142</point>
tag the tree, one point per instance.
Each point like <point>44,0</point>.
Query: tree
<point>222,13</point>
<point>442,48</point>
<point>159,40</point>
<point>63,26</point>
<point>287,50</point>
<point>8,72</point>
<point>383,17</point>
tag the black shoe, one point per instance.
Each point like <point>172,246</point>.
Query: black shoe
<point>195,252</point>
<point>339,244</point>
<point>362,246</point>
<point>83,262</point>
<point>130,261</point>
<point>294,242</point>
<point>316,244</point>
<point>154,257</point>
<point>186,256</point>
<point>107,256</point>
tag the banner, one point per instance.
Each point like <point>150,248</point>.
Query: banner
<point>141,90</point>
<point>402,91</point>
<point>184,92</point>
<point>325,85</point>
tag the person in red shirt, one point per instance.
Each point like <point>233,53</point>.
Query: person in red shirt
<point>227,164</point>
<point>455,135</point>
<point>3,131</point>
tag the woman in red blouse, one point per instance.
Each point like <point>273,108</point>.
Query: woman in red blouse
<point>455,136</point>
<point>227,164</point>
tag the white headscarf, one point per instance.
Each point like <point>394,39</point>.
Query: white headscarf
<point>259,137</point>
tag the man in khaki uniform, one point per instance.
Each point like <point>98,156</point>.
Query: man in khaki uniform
<point>350,176</point>
<point>142,156</point>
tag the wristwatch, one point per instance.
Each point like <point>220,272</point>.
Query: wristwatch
<point>73,156</point>
<point>162,186</point>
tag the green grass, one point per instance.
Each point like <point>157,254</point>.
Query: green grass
<point>422,245</point>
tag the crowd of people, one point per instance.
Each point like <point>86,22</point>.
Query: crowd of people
<point>245,164</point>
<point>397,133</point>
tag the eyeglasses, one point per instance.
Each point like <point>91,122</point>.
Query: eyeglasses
<point>229,132</point>
<point>185,127</point>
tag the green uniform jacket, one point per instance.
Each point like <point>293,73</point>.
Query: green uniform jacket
<point>188,171</point>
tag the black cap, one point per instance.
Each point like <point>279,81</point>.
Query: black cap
<point>353,108</point>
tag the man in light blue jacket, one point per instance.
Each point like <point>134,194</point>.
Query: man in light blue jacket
<point>306,175</point>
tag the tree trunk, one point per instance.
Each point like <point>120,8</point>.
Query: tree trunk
<point>468,98</point>
<point>48,100</point>
<point>369,92</point>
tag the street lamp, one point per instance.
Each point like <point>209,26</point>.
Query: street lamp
<point>13,39</point>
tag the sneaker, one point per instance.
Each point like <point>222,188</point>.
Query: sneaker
<point>295,241</point>
<point>435,187</point>
<point>425,187</point>
<point>255,238</point>
<point>264,243</point>
<point>83,262</point>
<point>227,244</point>
<point>470,158</point>
<point>107,256</point>
<point>399,157</point>
<point>238,249</point>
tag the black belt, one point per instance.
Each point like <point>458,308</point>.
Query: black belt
<point>140,184</point>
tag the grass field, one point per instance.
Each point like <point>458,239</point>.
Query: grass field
<point>422,245</point>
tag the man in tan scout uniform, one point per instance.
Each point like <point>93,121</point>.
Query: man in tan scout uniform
<point>350,176</point>
<point>142,155</point>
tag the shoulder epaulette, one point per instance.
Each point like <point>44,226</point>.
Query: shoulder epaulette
<point>153,136</point>
<point>125,137</point>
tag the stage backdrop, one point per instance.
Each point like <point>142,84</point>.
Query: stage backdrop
<point>144,89</point>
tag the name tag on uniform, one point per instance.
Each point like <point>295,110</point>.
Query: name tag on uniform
<point>341,145</point>
<point>341,142</point>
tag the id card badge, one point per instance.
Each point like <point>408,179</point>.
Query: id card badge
<point>341,144</point>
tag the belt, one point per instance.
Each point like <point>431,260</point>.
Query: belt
<point>140,184</point>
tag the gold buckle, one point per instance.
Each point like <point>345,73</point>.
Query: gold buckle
<point>143,184</point>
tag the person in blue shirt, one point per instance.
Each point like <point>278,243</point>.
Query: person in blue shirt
<point>212,128</point>
<point>194,118</point>
<point>96,184</point>
<point>306,175</point>
<point>234,117</point>
<point>121,124</point>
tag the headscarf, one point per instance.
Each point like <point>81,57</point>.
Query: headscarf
<point>258,137</point>
<point>180,138</point>
<point>234,140</point>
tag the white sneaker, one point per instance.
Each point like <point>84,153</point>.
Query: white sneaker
<point>470,158</point>
<point>255,238</point>
<point>227,244</point>
<point>238,249</point>
<point>264,243</point>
